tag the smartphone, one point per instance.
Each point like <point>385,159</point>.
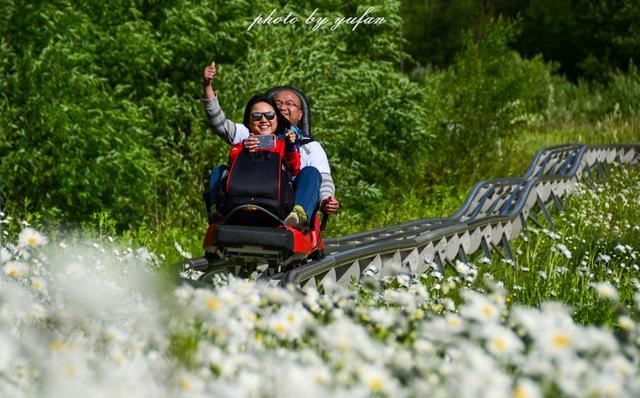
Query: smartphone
<point>266,141</point>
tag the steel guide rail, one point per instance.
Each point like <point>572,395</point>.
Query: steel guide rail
<point>495,212</point>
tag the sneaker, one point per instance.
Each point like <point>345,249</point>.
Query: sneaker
<point>297,216</point>
<point>291,219</point>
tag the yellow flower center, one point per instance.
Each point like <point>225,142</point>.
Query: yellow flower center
<point>32,241</point>
<point>13,272</point>
<point>487,310</point>
<point>561,340</point>
<point>70,369</point>
<point>57,346</point>
<point>250,317</point>
<point>626,324</point>
<point>279,328</point>
<point>319,378</point>
<point>375,383</point>
<point>520,392</point>
<point>213,304</point>
<point>500,344</point>
<point>184,384</point>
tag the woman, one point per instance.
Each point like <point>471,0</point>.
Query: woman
<point>261,177</point>
<point>262,117</point>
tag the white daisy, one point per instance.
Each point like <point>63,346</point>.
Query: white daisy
<point>462,268</point>
<point>29,237</point>
<point>181,251</point>
<point>526,388</point>
<point>606,290</point>
<point>478,307</point>
<point>16,269</point>
<point>376,379</point>
<point>564,250</point>
<point>625,322</point>
<point>501,341</point>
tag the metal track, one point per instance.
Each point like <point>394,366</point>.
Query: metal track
<point>494,213</point>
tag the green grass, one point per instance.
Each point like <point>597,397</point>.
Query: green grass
<point>443,200</point>
<point>595,240</point>
<point>422,201</point>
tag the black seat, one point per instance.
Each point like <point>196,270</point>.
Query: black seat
<point>259,190</point>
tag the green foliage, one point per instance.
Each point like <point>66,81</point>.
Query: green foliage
<point>594,101</point>
<point>100,110</point>
<point>484,101</point>
<point>435,30</point>
<point>588,39</point>
<point>362,108</point>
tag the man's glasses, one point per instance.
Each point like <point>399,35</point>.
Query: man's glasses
<point>288,104</point>
<point>255,116</point>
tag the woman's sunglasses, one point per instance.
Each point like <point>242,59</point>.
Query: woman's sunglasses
<point>255,116</point>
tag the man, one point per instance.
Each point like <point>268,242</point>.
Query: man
<point>314,183</point>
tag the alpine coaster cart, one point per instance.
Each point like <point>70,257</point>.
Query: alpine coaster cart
<point>251,239</point>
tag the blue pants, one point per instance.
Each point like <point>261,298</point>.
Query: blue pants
<point>306,185</point>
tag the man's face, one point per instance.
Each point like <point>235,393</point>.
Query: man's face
<point>290,106</point>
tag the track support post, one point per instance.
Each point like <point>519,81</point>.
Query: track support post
<point>557,202</point>
<point>544,210</point>
<point>485,248</point>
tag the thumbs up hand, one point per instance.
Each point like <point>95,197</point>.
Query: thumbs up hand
<point>209,73</point>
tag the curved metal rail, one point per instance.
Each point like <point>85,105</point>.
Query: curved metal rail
<point>494,213</point>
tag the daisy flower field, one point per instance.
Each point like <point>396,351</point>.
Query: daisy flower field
<point>91,318</point>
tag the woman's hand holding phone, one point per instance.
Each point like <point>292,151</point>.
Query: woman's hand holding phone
<point>251,144</point>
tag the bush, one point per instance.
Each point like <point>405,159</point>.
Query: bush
<point>101,111</point>
<point>484,100</point>
<point>588,102</point>
<point>98,113</point>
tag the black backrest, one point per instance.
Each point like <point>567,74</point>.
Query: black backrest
<point>306,117</point>
<point>255,174</point>
<point>258,179</point>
